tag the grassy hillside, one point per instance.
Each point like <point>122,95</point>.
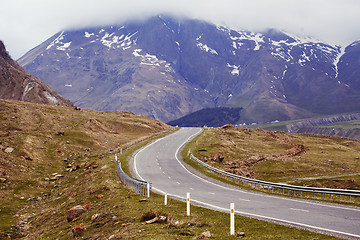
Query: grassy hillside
<point>311,160</point>
<point>61,158</point>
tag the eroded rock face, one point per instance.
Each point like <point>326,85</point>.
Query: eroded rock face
<point>17,84</point>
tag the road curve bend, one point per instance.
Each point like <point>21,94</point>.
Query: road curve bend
<point>158,163</point>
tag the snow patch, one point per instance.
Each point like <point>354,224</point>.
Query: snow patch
<point>56,41</point>
<point>63,47</point>
<point>87,35</point>
<point>206,48</point>
<point>337,59</point>
<point>235,70</point>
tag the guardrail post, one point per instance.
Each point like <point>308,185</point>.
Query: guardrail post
<point>165,199</point>
<point>188,204</point>
<point>232,219</point>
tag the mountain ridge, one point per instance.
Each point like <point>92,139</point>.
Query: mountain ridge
<point>17,84</point>
<point>165,68</point>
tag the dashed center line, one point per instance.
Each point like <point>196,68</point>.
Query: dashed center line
<point>242,199</point>
<point>297,209</point>
<point>211,193</point>
<point>178,183</point>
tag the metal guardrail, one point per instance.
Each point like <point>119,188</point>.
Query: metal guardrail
<point>141,187</point>
<point>269,186</point>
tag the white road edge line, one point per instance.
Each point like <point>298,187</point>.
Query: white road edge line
<point>265,217</point>
<point>239,212</point>
<point>256,194</point>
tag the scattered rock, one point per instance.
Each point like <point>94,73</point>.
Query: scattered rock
<point>87,205</point>
<point>78,230</point>
<point>219,157</point>
<point>143,200</point>
<point>205,234</point>
<point>99,196</point>
<point>60,133</point>
<point>94,217</point>
<point>77,108</point>
<point>3,180</point>
<point>114,236</point>
<point>75,212</point>
<point>8,150</point>
<point>97,217</point>
<point>154,220</point>
<point>240,234</point>
<point>229,125</point>
<point>157,219</point>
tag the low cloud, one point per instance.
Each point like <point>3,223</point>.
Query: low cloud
<point>25,24</point>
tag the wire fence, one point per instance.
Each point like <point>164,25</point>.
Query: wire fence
<point>292,190</point>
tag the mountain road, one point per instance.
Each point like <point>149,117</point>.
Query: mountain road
<point>159,163</point>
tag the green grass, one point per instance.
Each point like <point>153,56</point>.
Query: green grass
<point>330,162</point>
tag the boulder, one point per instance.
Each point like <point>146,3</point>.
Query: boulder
<point>78,230</point>
<point>229,125</point>
<point>218,157</point>
<point>206,234</point>
<point>75,212</point>
<point>9,150</point>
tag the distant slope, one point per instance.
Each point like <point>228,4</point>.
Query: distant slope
<point>211,117</point>
<point>17,84</point>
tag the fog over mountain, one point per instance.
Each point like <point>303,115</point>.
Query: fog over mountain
<point>25,24</point>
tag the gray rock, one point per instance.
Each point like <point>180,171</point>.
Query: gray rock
<point>9,150</point>
<point>206,234</point>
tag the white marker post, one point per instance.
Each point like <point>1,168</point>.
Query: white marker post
<point>232,219</point>
<point>165,200</point>
<point>148,189</point>
<point>115,157</point>
<point>188,204</point>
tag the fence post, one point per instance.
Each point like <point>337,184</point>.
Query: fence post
<point>232,219</point>
<point>115,157</point>
<point>188,204</point>
<point>165,199</point>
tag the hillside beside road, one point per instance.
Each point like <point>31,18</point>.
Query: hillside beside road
<point>54,158</point>
<point>302,159</point>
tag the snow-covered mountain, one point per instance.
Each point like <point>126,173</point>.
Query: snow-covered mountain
<point>166,68</point>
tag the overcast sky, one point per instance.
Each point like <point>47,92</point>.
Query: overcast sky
<point>25,24</point>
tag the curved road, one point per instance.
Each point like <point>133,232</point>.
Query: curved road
<point>159,164</point>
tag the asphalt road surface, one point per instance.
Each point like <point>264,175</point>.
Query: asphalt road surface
<point>158,163</point>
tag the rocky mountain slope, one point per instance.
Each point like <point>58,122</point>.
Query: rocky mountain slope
<point>166,68</point>
<point>17,84</point>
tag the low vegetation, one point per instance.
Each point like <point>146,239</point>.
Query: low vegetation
<point>58,181</point>
<point>303,159</point>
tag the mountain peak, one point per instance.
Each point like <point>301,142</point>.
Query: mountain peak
<point>165,68</point>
